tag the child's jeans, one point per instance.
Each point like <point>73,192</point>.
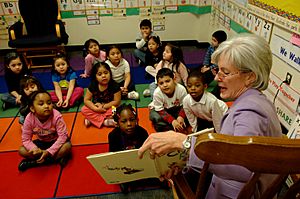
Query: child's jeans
<point>8,98</point>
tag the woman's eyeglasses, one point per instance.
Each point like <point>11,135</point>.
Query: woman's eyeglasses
<point>223,75</point>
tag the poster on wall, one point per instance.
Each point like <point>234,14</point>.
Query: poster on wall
<point>266,30</point>
<point>257,25</point>
<point>9,8</point>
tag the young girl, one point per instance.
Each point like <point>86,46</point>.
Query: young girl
<point>92,47</point>
<point>120,71</point>
<point>101,95</point>
<point>127,135</point>
<point>154,54</point>
<point>64,80</point>
<point>50,129</point>
<point>14,71</point>
<point>28,85</point>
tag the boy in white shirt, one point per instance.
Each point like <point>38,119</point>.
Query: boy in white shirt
<point>166,111</point>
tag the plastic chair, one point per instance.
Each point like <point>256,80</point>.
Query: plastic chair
<point>40,33</point>
<point>261,155</point>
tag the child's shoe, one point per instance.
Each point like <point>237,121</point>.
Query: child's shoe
<point>146,93</point>
<point>26,164</point>
<point>133,95</point>
<point>109,122</point>
<point>87,123</point>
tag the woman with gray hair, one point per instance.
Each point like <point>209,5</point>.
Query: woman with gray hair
<point>244,67</point>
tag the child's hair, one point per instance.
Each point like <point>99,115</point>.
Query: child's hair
<point>197,73</point>
<point>26,80</point>
<point>121,108</point>
<point>9,57</point>
<point>156,40</point>
<point>177,56</point>
<point>87,44</point>
<point>95,69</point>
<point>109,48</point>
<point>33,95</point>
<point>164,72</point>
<point>220,36</point>
<point>63,57</point>
<point>146,22</point>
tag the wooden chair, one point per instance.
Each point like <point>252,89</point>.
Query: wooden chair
<point>261,155</point>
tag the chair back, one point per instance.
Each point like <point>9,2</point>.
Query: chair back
<point>39,16</point>
<point>261,155</point>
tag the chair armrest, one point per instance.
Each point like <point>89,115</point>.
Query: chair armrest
<point>61,31</point>
<point>16,30</point>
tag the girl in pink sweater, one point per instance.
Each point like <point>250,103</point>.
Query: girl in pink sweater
<point>50,130</point>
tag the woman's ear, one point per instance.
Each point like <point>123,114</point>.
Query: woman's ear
<point>250,79</point>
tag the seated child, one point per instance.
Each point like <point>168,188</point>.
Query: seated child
<point>64,78</point>
<point>52,137</point>
<point>202,109</point>
<point>14,71</point>
<point>166,112</point>
<point>28,85</point>
<point>92,47</point>
<point>172,59</point>
<point>102,93</point>
<point>142,39</point>
<point>127,135</point>
<point>121,72</point>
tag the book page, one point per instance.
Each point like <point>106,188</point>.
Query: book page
<point>170,160</point>
<point>123,166</point>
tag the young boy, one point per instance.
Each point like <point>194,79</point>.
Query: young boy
<point>142,40</point>
<point>202,109</point>
<point>217,38</point>
<point>166,111</point>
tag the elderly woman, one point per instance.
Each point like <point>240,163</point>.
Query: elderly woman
<point>244,66</point>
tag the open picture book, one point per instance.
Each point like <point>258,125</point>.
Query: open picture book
<point>125,166</point>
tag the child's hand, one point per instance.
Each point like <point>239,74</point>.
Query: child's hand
<point>124,90</point>
<point>83,75</point>
<point>204,69</point>
<point>65,104</point>
<point>100,108</point>
<point>181,121</point>
<point>43,156</point>
<point>214,71</point>
<point>18,99</point>
<point>176,126</point>
<point>35,151</point>
<point>59,103</point>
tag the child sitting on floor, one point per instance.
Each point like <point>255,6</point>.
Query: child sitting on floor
<point>166,112</point>
<point>92,47</point>
<point>102,93</point>
<point>121,72</point>
<point>52,137</point>
<point>15,70</point>
<point>64,78</point>
<point>28,85</point>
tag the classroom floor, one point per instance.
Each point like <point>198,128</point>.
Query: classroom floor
<point>78,179</point>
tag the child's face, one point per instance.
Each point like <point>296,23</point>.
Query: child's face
<point>15,65</point>
<point>167,85</point>
<point>61,66</point>
<point>42,106</point>
<point>127,121</point>
<point>115,56</point>
<point>214,42</point>
<point>167,54</point>
<point>152,45</point>
<point>31,87</point>
<point>145,30</point>
<point>195,88</point>
<point>93,48</point>
<point>103,76</point>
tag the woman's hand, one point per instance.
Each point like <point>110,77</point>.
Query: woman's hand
<point>162,143</point>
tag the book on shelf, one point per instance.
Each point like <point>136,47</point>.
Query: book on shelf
<point>125,166</point>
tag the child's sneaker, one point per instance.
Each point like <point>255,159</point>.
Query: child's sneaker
<point>146,93</point>
<point>109,122</point>
<point>133,95</point>
<point>26,164</point>
<point>87,123</point>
